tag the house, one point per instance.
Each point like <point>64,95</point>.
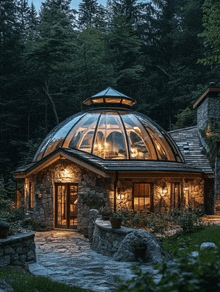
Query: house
<point>112,155</point>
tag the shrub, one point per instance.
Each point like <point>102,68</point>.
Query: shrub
<point>185,274</point>
<point>188,220</point>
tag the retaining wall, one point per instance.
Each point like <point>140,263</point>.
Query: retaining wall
<point>17,249</point>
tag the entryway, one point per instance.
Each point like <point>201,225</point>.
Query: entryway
<point>66,205</point>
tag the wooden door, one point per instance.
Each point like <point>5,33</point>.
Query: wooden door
<point>66,201</point>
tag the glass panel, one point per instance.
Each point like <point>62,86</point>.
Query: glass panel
<point>98,100</point>
<point>127,102</point>
<point>141,196</point>
<point>112,100</point>
<point>141,146</point>
<point>40,153</point>
<point>62,206</point>
<point>87,102</point>
<point>110,138</point>
<point>31,195</point>
<point>163,149</point>
<point>58,138</point>
<point>82,133</point>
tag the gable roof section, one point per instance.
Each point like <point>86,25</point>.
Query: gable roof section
<point>190,145</point>
<point>213,91</point>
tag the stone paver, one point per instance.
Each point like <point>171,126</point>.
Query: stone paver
<point>66,257</point>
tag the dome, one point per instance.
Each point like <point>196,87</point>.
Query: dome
<point>111,130</point>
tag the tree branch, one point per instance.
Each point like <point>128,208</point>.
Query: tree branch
<point>46,90</point>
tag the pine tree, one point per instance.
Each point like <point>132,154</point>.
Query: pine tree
<point>88,11</point>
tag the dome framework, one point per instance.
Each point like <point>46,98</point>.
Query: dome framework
<point>112,132</point>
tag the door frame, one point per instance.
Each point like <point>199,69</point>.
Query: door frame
<point>56,185</point>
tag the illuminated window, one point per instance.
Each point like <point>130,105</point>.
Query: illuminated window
<point>31,195</point>
<point>142,195</point>
<point>176,197</point>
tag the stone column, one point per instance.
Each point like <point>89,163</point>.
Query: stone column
<point>217,181</point>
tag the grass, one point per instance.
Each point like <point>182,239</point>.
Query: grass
<point>184,243</point>
<point>24,282</point>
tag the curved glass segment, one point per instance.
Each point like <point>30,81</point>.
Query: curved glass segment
<point>110,139</point>
<point>82,134</point>
<point>56,137</point>
<point>140,144</point>
<point>112,134</point>
<point>163,149</point>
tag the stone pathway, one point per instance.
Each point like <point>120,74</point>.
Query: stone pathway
<point>66,257</point>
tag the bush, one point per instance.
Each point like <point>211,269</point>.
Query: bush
<point>185,274</point>
<point>188,220</point>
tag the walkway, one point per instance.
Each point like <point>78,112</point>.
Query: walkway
<point>66,257</point>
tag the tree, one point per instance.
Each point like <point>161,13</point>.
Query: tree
<point>88,11</point>
<point>211,23</point>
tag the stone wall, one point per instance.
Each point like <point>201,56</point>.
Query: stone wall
<point>191,193</point>
<point>106,240</point>
<point>217,186</point>
<point>126,244</point>
<point>208,111</point>
<point>91,189</point>
<point>17,250</point>
<point>94,191</point>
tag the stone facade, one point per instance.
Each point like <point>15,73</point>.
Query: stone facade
<point>94,191</point>
<point>91,188</point>
<point>17,250</point>
<point>192,193</point>
<point>208,111</point>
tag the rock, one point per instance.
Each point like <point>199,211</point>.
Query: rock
<point>93,215</point>
<point>194,254</point>
<point>140,245</point>
<point>208,245</point>
<point>5,287</point>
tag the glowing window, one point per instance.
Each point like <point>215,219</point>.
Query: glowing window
<point>142,197</point>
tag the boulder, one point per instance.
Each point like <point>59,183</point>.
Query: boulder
<point>208,245</point>
<point>140,245</point>
<point>5,287</point>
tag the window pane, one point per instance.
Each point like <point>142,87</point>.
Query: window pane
<point>163,149</point>
<point>83,133</point>
<point>140,144</point>
<point>98,100</point>
<point>112,100</point>
<point>110,140</point>
<point>142,196</point>
<point>58,138</point>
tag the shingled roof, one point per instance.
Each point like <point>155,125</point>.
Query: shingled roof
<point>190,144</point>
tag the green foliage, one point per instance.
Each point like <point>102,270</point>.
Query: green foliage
<point>154,222</point>
<point>211,23</point>
<point>24,282</point>
<point>212,137</point>
<point>188,221</point>
<point>187,118</point>
<point>185,274</point>
<point>34,224</point>
<point>181,244</point>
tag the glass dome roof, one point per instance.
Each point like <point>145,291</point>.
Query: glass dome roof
<point>112,133</point>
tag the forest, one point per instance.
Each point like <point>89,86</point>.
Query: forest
<point>163,53</point>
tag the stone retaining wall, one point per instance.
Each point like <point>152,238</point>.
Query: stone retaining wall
<point>126,244</point>
<point>17,249</point>
<point>106,240</point>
